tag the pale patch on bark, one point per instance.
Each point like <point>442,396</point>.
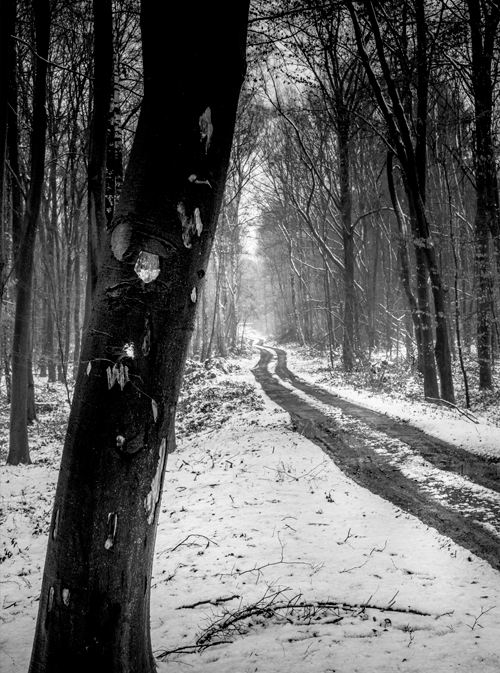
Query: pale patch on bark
<point>56,525</point>
<point>112,527</point>
<point>119,374</point>
<point>147,266</point>
<point>50,602</point>
<point>129,351</point>
<point>66,596</point>
<point>154,494</point>
<point>197,221</point>
<point>191,225</point>
<point>120,238</point>
<point>206,127</point>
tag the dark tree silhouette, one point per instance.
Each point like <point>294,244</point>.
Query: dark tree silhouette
<point>94,603</point>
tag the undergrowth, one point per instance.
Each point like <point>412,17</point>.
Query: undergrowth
<point>208,399</point>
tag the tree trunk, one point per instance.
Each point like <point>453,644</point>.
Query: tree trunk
<point>67,312</point>
<point>6,364</point>
<point>102,96</point>
<point>76,309</point>
<point>404,263</point>
<point>30,395</point>
<point>298,325</point>
<point>7,28</point>
<point>484,25</point>
<point>114,149</point>
<point>205,338</point>
<point>94,602</point>
<point>348,244</point>
<point>60,315</point>
<point>13,153</point>
<point>18,449</point>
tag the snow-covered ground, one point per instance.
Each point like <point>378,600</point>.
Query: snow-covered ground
<point>267,548</point>
<point>448,424</point>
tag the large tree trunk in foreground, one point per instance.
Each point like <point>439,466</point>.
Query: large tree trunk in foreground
<point>94,603</point>
<point>18,448</point>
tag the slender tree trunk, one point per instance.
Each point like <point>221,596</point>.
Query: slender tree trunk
<point>217,268</point>
<point>59,320</point>
<point>442,347</point>
<point>114,149</point>
<point>102,96</point>
<point>6,364</point>
<point>77,309</point>
<point>13,155</point>
<point>296,316</point>
<point>7,28</point>
<point>42,362</point>
<point>235,287</point>
<point>67,314</point>
<point>30,394</point>
<point>348,245</point>
<point>94,602</point>
<point>205,323</point>
<point>484,23</point>
<point>18,449</point>
<point>54,287</point>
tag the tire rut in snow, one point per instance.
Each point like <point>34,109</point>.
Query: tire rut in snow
<point>448,457</point>
<point>375,471</point>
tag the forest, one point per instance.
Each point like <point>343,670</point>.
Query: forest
<point>319,172</point>
<point>364,172</point>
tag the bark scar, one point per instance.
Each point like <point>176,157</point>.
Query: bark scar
<point>112,527</point>
<point>191,224</point>
<point>154,494</point>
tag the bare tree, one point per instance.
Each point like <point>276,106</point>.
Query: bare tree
<point>18,448</point>
<point>94,603</point>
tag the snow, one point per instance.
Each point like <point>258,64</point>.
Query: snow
<point>480,438</point>
<point>255,515</point>
<point>440,484</point>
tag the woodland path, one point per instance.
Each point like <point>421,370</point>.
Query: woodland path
<point>460,498</point>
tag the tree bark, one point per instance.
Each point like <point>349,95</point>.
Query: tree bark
<point>76,309</point>
<point>404,262</point>
<point>102,96</point>
<point>347,240</point>
<point>7,27</point>
<point>18,448</point>
<point>413,164</point>
<point>484,26</point>
<point>94,602</point>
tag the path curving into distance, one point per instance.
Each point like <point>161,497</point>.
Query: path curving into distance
<point>455,492</point>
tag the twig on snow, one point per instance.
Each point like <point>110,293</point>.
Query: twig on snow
<point>348,570</point>
<point>190,543</point>
<point>476,619</point>
<point>210,601</point>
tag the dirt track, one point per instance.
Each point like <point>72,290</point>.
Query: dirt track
<point>468,516</point>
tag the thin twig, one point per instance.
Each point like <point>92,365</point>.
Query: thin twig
<point>211,601</point>
<point>191,543</point>
<point>348,570</point>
